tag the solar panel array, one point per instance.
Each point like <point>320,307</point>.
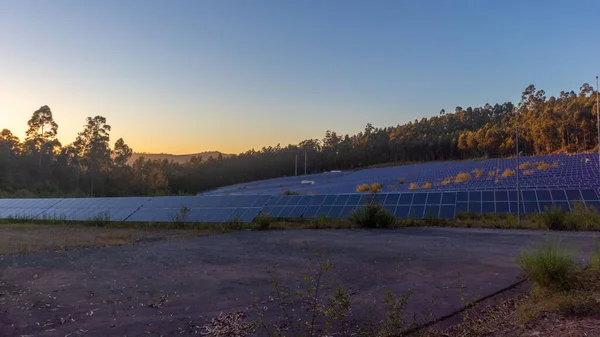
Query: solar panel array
<point>561,171</point>
<point>244,208</point>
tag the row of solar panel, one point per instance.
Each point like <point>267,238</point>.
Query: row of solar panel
<point>403,205</point>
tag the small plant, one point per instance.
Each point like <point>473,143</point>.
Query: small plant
<point>363,188</point>
<point>549,266</point>
<point>236,223</point>
<point>478,173</point>
<point>491,173</point>
<point>508,173</point>
<point>582,218</point>
<point>182,214</point>
<point>446,181</point>
<point>400,181</point>
<point>527,172</point>
<point>526,166</point>
<point>100,219</point>
<point>462,176</point>
<point>372,216</point>
<point>427,185</point>
<point>375,187</point>
<point>542,165</point>
<point>264,221</point>
<point>290,192</point>
<point>413,186</point>
<point>555,164</point>
<point>554,218</point>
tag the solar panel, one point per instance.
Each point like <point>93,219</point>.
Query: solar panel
<point>434,198</point>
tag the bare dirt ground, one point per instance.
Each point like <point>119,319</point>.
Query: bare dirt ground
<point>174,287</point>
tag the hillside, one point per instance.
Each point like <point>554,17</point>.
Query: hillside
<point>177,158</point>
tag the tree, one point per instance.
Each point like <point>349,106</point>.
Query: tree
<point>42,130</point>
<point>93,148</point>
<point>122,153</point>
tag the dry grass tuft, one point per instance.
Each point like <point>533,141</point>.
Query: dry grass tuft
<point>508,173</point>
<point>413,186</point>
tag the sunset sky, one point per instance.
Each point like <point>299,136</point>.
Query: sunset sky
<point>190,76</point>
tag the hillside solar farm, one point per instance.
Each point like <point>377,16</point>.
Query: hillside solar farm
<point>430,190</point>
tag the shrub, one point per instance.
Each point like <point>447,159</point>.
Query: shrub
<point>427,185</point>
<point>400,181</point>
<point>549,266</point>
<point>289,192</point>
<point>263,221</point>
<point>595,256</point>
<point>363,188</point>
<point>462,176</point>
<point>491,173</point>
<point>372,216</point>
<point>525,166</point>
<point>542,165</point>
<point>181,214</point>
<point>527,172</point>
<point>554,218</point>
<point>508,173</point>
<point>478,173</point>
<point>582,218</point>
<point>413,186</point>
<point>446,181</point>
<point>375,187</point>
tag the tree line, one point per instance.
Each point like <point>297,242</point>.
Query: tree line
<point>41,166</point>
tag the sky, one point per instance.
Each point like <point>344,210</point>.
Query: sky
<point>189,76</point>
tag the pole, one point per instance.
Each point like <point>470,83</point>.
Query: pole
<point>518,183</point>
<point>598,120</point>
<point>305,153</point>
<point>296,166</point>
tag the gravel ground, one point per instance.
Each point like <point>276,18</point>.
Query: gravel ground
<point>169,288</point>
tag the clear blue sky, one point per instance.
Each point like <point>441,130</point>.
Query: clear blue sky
<point>189,76</point>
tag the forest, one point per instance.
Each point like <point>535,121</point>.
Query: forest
<point>40,166</point>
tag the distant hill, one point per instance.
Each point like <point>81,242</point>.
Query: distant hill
<point>177,158</point>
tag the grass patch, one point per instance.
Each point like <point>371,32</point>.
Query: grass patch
<point>290,192</point>
<point>371,216</point>
<point>526,166</point>
<point>363,188</point>
<point>413,186</point>
<point>550,266</point>
<point>427,185</point>
<point>542,165</point>
<point>508,173</point>
<point>478,173</point>
<point>264,221</point>
<point>462,176</point>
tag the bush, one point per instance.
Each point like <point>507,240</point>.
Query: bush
<point>479,173</point>
<point>363,188</point>
<point>427,185</point>
<point>508,173</point>
<point>413,186</point>
<point>549,266</point>
<point>525,166</point>
<point>290,192</point>
<point>446,181</point>
<point>542,165</point>
<point>582,218</point>
<point>554,218</point>
<point>527,172</point>
<point>372,216</point>
<point>462,176</point>
<point>375,187</point>
<point>264,221</point>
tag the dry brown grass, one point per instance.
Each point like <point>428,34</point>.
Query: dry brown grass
<point>508,173</point>
<point>446,181</point>
<point>413,186</point>
<point>375,187</point>
<point>363,188</point>
<point>527,172</point>
<point>478,173</point>
<point>427,185</point>
<point>542,165</point>
<point>462,176</point>
<point>29,238</point>
<point>526,166</point>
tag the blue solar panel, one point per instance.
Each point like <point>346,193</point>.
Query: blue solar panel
<point>474,207</point>
<point>563,204</point>
<point>336,212</point>
<point>432,211</point>
<point>589,195</point>
<point>402,212</point>
<point>447,212</point>
<point>501,195</point>
<point>543,195</point>
<point>274,201</point>
<point>294,200</point>
<point>462,196</point>
<point>305,200</point>
<point>298,211</point>
<point>353,199</point>
<point>487,196</point>
<point>558,195</point>
<point>329,199</point>
<point>416,212</point>
<point>405,199</point>
<point>347,211</point>
<point>573,195</point>
<point>488,207</point>
<point>545,205</point>
<point>434,198</point>
<point>474,196</point>
<point>311,211</point>
<point>419,199</point>
<point>531,207</point>
<point>392,199</point>
<point>529,196</point>
<point>502,207</point>
<point>449,198</point>
<point>462,207</point>
<point>286,212</point>
<point>284,200</point>
<point>378,199</point>
<point>324,211</point>
<point>341,200</point>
